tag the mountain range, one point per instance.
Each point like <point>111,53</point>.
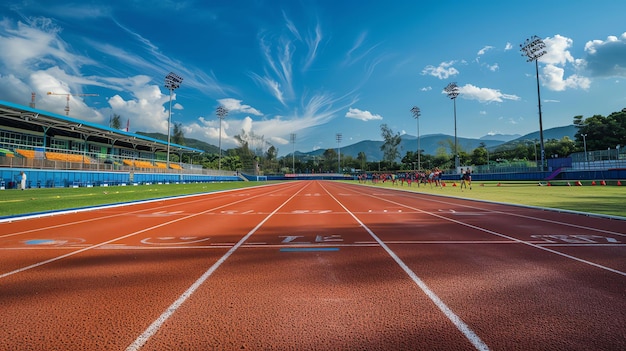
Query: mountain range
<point>431,142</point>
<point>428,143</point>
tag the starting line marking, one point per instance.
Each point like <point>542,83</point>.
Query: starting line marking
<point>308,249</point>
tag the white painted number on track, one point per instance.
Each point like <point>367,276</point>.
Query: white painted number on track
<point>293,239</point>
<point>576,239</point>
<point>311,211</point>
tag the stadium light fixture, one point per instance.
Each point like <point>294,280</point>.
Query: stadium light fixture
<point>292,138</point>
<point>338,136</point>
<point>416,114</point>
<point>221,113</point>
<point>172,82</point>
<point>453,91</point>
<point>533,48</point>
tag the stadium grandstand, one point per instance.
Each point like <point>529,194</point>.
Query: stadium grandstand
<point>59,151</point>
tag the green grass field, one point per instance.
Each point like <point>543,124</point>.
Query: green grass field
<point>599,199</point>
<point>607,200</point>
<point>14,202</point>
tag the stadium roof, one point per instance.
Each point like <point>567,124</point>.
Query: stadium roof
<point>52,124</point>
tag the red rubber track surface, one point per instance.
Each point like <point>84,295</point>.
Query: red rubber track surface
<point>313,266</point>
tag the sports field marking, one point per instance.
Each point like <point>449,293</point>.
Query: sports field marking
<point>540,247</point>
<point>456,320</point>
<point>54,259</point>
<point>156,325</point>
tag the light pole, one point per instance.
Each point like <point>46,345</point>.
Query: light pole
<point>172,82</point>
<point>453,91</point>
<point>292,138</point>
<point>535,147</point>
<point>221,113</point>
<point>585,148</point>
<point>534,48</point>
<point>416,114</point>
<point>338,136</point>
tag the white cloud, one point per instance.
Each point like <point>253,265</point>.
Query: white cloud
<point>557,59</point>
<point>493,67</point>
<point>606,58</point>
<point>235,106</point>
<point>485,95</point>
<point>508,46</point>
<point>317,111</point>
<point>554,79</point>
<point>484,50</point>
<point>146,109</point>
<point>362,115</point>
<point>443,71</point>
<point>557,52</point>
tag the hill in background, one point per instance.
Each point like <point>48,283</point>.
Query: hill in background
<point>429,143</point>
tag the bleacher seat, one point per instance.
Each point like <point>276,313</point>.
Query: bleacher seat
<point>75,158</point>
<point>26,153</point>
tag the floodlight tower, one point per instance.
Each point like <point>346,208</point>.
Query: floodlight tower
<point>292,138</point>
<point>221,113</point>
<point>172,82</point>
<point>534,48</point>
<point>416,114</point>
<point>585,148</point>
<point>338,136</point>
<point>453,91</point>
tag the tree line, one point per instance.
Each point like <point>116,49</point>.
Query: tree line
<point>255,155</point>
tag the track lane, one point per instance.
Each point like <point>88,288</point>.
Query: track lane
<point>558,301</point>
<point>101,298</point>
<point>316,296</point>
<point>512,295</point>
<point>73,233</point>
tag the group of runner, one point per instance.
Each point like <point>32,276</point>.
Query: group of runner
<point>426,177</point>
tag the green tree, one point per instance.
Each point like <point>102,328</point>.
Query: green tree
<point>178,135</point>
<point>601,132</point>
<point>390,146</point>
<point>115,121</point>
<point>480,155</point>
<point>330,160</point>
<point>362,159</point>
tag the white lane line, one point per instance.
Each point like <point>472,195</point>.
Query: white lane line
<point>537,246</point>
<point>156,325</point>
<point>456,320</point>
<point>54,259</point>
<point>202,197</point>
<point>486,210</point>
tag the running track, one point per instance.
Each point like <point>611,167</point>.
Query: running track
<point>313,266</point>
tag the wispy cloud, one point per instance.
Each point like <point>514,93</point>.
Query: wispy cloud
<point>357,52</point>
<point>484,50</point>
<point>279,77</point>
<point>313,44</point>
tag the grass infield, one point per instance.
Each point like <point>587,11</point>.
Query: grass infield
<point>16,202</point>
<point>599,199</point>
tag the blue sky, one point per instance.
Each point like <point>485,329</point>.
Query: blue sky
<point>316,68</point>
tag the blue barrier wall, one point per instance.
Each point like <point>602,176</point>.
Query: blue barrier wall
<point>37,178</point>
